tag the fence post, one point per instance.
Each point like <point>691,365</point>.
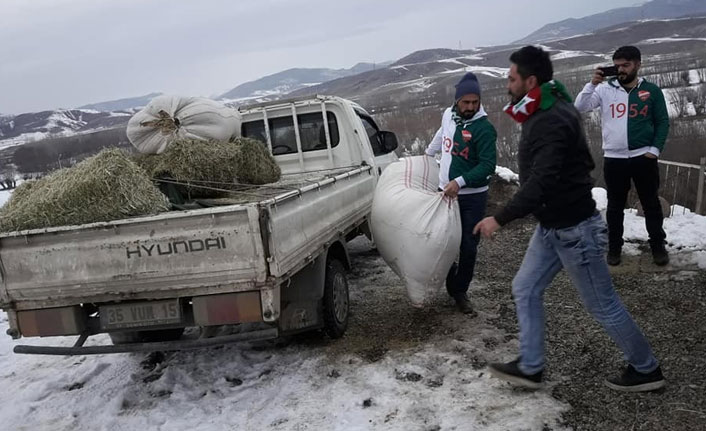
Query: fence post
<point>700,196</point>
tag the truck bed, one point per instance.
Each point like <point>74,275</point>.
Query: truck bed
<point>268,234</point>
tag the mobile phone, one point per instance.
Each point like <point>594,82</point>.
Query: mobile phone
<point>609,70</point>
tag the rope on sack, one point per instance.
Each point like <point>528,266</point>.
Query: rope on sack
<point>166,124</point>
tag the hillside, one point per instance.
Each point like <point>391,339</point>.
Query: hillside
<point>36,126</point>
<point>121,104</point>
<point>657,9</point>
<point>281,83</point>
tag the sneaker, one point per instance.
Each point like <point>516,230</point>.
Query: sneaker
<point>614,257</point>
<point>510,372</point>
<point>659,254</point>
<point>632,381</point>
<point>464,305</point>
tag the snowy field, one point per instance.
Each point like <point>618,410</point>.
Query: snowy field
<point>686,233</point>
<point>435,383</point>
<point>292,388</point>
<point>427,385</point>
<point>4,196</point>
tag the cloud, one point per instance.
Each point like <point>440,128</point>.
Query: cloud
<point>65,53</point>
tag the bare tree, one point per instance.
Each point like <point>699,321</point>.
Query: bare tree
<point>702,74</point>
<point>50,154</point>
<point>679,98</point>
<point>699,95</point>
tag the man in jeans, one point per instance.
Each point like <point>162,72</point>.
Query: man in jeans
<point>635,127</point>
<point>555,165</point>
<point>466,140</point>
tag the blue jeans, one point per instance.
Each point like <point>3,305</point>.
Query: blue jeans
<point>580,250</point>
<point>472,208</point>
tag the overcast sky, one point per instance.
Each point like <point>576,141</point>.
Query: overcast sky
<point>67,53</point>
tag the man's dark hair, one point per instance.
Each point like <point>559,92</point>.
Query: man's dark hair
<point>629,53</point>
<point>531,60</point>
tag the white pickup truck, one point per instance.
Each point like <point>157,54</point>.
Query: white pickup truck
<point>274,263</point>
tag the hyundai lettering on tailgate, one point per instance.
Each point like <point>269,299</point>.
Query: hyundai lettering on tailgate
<point>175,247</point>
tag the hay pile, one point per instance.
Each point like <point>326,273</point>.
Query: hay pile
<point>112,185</point>
<point>210,169</point>
<point>254,163</point>
<point>108,186</point>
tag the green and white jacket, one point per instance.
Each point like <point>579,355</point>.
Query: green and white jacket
<point>467,151</point>
<point>634,122</point>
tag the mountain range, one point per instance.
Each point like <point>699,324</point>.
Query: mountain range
<point>656,9</point>
<point>121,104</point>
<point>433,71</point>
<point>293,79</point>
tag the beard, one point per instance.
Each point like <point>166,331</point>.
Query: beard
<point>468,114</point>
<point>625,78</point>
<point>515,99</point>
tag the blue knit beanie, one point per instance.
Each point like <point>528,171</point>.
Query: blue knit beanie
<point>467,85</point>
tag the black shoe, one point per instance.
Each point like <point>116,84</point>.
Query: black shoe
<point>464,305</point>
<point>632,381</point>
<point>659,254</point>
<point>614,257</point>
<point>510,372</point>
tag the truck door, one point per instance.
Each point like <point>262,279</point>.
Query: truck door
<point>384,151</point>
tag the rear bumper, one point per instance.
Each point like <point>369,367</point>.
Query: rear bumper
<point>79,349</point>
<point>261,305</point>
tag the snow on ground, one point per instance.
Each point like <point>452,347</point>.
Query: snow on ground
<point>431,386</point>
<point>304,386</point>
<point>672,96</point>
<point>435,384</point>
<point>686,235</point>
<point>455,60</point>
<point>495,72</point>
<point>507,175</point>
<point>5,194</point>
<point>694,77</point>
<point>564,54</point>
<point>670,39</point>
<point>421,86</point>
<point>686,232</point>
<point>413,83</point>
<point>473,57</point>
<point>451,60</point>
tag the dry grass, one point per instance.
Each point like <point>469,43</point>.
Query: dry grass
<point>207,169</point>
<point>108,186</point>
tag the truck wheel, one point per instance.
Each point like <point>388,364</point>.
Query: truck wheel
<point>131,337</point>
<point>336,302</point>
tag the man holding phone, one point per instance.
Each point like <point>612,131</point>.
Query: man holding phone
<point>635,127</point>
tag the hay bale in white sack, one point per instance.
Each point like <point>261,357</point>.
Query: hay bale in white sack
<point>167,119</point>
<point>416,231</point>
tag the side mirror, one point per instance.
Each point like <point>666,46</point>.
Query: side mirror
<point>389,141</point>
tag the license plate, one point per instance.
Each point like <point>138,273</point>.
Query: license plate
<point>138,314</point>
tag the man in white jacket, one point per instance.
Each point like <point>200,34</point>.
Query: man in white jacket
<point>466,140</point>
<point>635,127</point>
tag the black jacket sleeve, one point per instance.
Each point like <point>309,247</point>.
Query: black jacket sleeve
<point>547,144</point>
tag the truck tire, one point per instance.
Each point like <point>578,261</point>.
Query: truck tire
<point>336,300</point>
<point>131,337</point>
